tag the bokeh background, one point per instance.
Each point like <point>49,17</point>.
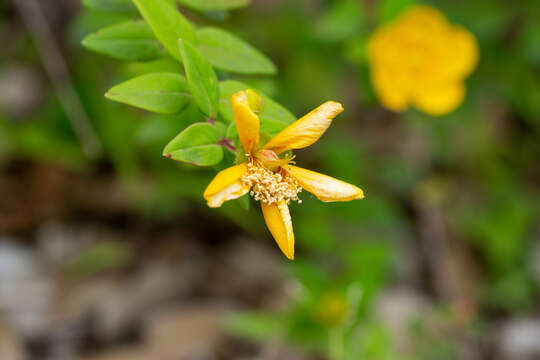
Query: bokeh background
<point>118,257</point>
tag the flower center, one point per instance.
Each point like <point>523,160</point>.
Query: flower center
<point>269,186</point>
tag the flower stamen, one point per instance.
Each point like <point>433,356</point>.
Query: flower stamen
<point>269,186</point>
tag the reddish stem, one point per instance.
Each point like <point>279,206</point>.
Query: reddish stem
<point>227,143</point>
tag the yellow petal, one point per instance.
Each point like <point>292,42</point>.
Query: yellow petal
<point>227,185</point>
<point>278,220</point>
<point>440,101</point>
<point>306,130</point>
<point>247,122</point>
<point>391,89</point>
<point>324,187</point>
<point>465,52</point>
<point>423,15</point>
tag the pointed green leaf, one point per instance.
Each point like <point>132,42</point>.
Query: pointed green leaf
<point>198,144</point>
<point>167,22</point>
<point>213,5</point>
<point>195,135</point>
<point>129,41</point>
<point>227,52</point>
<point>164,93</point>
<point>202,79</point>
<point>110,5</point>
<point>273,116</point>
<point>204,155</point>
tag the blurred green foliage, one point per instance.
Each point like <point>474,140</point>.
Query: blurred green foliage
<point>486,155</point>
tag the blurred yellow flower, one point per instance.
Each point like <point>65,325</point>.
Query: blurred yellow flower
<point>273,180</point>
<point>333,309</point>
<point>421,60</point>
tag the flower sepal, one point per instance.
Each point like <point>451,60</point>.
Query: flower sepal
<point>272,161</point>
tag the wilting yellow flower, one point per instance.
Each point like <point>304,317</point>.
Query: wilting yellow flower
<point>271,179</point>
<point>421,60</point>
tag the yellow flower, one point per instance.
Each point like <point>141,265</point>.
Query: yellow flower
<point>273,180</point>
<point>421,60</point>
<point>333,309</point>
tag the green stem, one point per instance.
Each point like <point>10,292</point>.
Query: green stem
<point>335,343</point>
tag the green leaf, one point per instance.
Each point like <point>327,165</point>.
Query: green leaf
<point>164,93</point>
<point>342,20</point>
<point>231,133</point>
<point>390,9</point>
<point>202,79</point>
<point>227,52</point>
<point>257,326</point>
<point>273,116</point>
<point>110,5</point>
<point>204,155</point>
<point>212,5</point>
<point>198,144</point>
<point>356,49</point>
<point>130,41</point>
<point>167,22</point>
<point>244,202</point>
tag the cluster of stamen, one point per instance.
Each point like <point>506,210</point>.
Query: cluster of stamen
<point>269,186</point>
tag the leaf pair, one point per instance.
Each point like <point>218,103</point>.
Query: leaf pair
<point>167,23</point>
<point>166,30</point>
<point>169,93</point>
<point>135,41</point>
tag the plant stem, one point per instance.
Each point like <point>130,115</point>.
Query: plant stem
<point>56,67</point>
<point>335,343</point>
<point>227,143</point>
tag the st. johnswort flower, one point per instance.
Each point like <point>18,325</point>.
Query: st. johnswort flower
<point>267,173</point>
<point>421,60</point>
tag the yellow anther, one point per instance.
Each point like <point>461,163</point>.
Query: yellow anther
<point>269,186</point>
